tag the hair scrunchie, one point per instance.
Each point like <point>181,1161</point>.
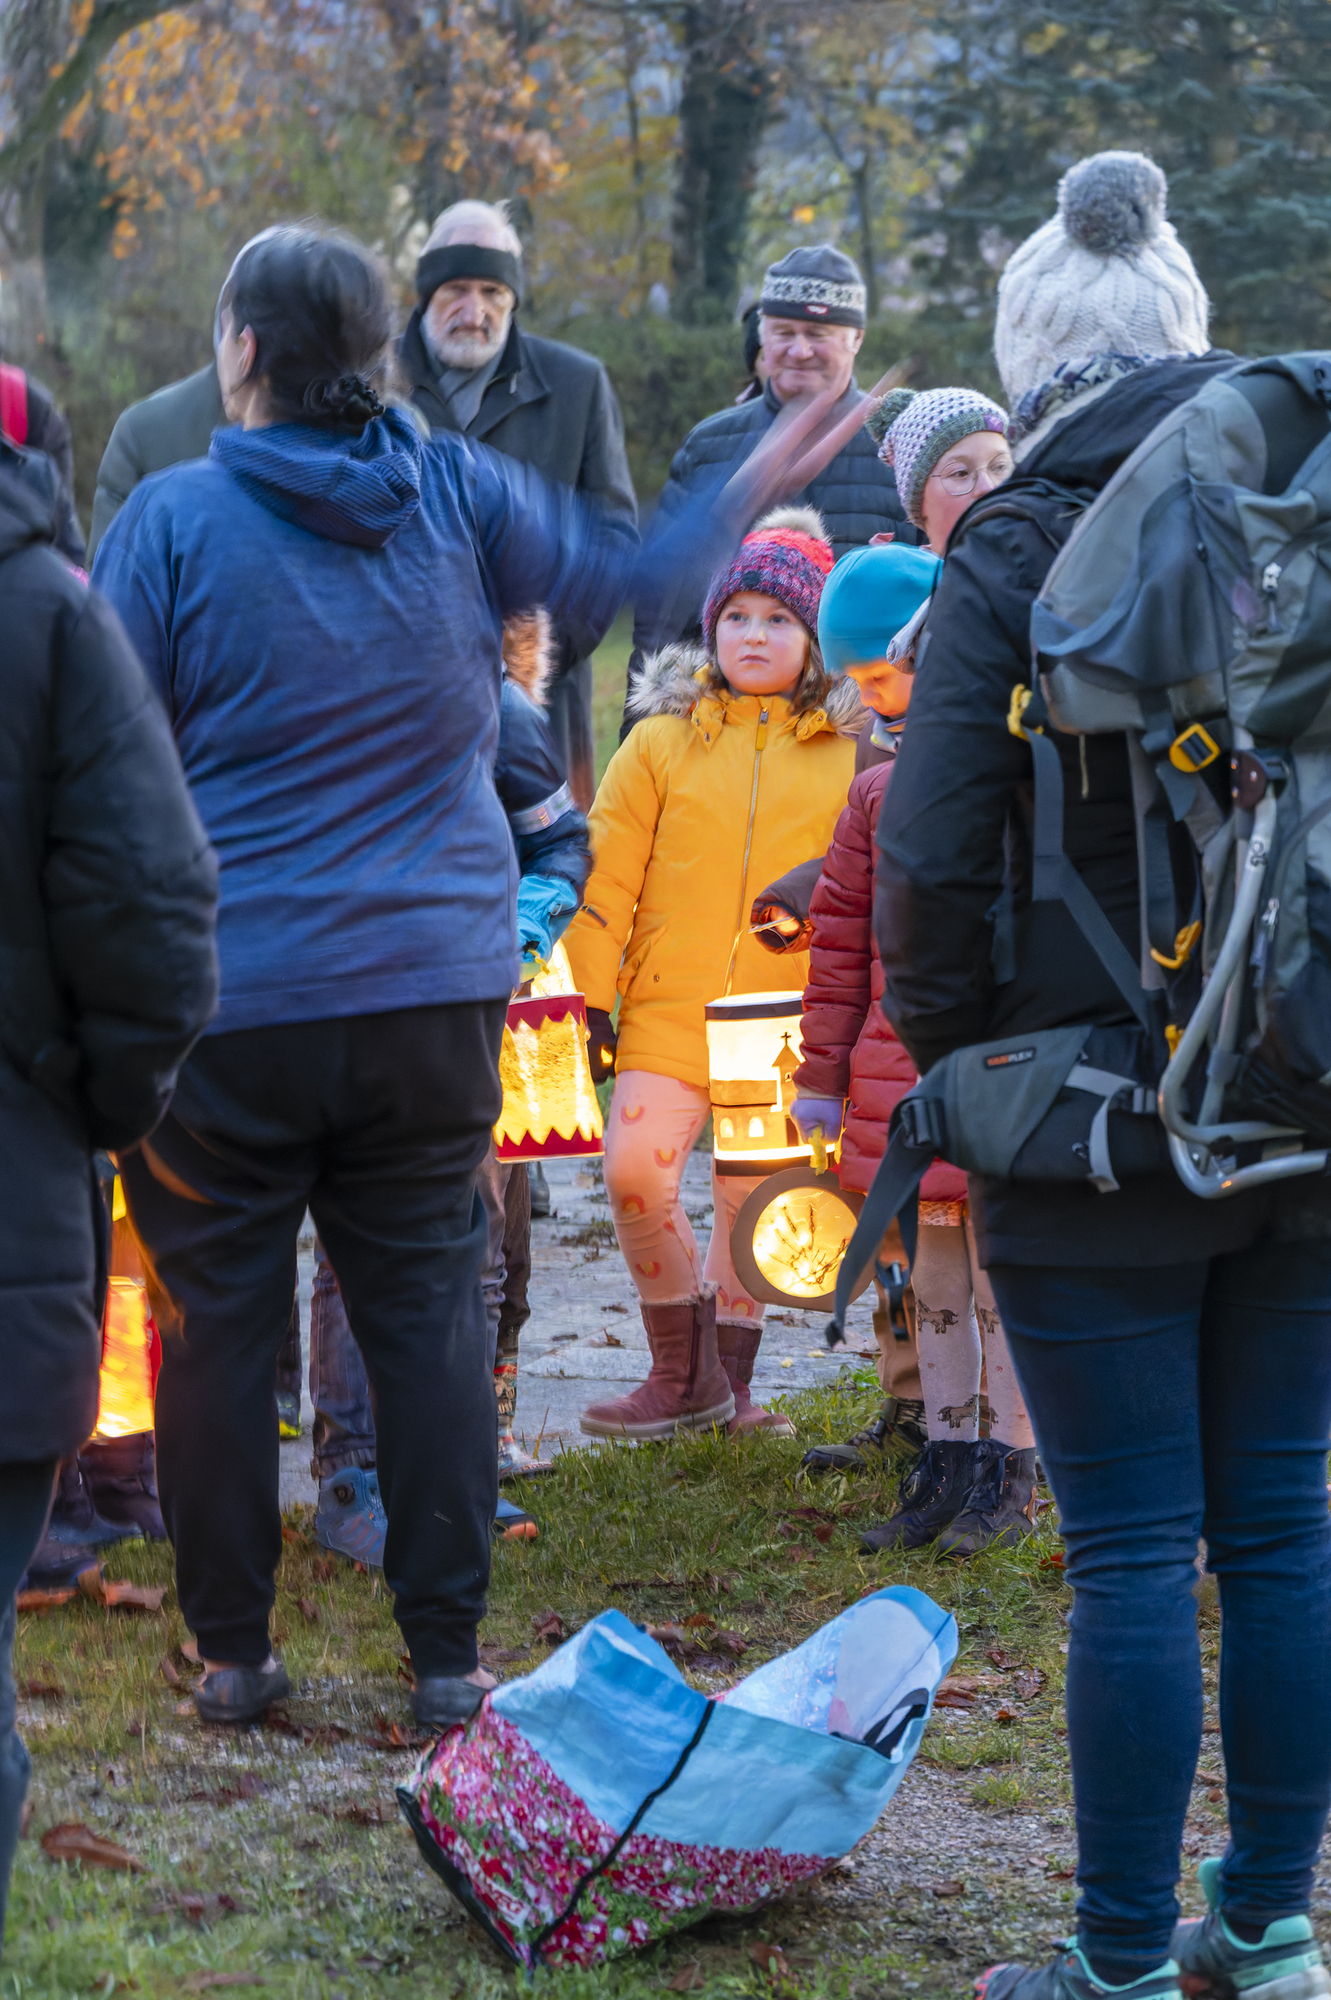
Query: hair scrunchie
<point>348,400</point>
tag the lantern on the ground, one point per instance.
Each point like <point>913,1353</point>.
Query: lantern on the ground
<point>550,1109</point>
<point>790,1236</point>
<point>753,1051</point>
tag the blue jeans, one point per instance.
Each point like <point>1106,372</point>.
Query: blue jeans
<point>339,1387</point>
<point>1169,1404</point>
<point>25,1502</point>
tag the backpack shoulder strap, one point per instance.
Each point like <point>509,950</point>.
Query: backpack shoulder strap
<point>13,403</point>
<point>1052,509</point>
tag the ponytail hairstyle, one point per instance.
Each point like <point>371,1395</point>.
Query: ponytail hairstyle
<point>319,307</point>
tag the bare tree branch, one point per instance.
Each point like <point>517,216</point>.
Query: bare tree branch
<point>111,19</point>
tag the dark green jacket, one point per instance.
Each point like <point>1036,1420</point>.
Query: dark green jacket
<point>173,425</point>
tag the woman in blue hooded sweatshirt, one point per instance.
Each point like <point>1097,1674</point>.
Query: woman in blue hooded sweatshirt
<point>319,604</point>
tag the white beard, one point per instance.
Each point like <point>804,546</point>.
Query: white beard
<point>466,350</point>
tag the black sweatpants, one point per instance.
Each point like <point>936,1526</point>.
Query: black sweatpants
<point>377,1123</point>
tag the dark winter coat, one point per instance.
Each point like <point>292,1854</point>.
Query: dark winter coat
<point>856,495</point>
<point>321,616</point>
<point>849,1049</point>
<point>163,430</point>
<point>962,781</point>
<point>108,968</point>
<point>46,431</point>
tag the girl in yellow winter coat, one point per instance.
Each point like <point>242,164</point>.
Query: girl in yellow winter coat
<point>735,772</point>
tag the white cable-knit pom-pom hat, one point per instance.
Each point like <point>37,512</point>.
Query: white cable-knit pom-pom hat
<point>1107,275</point>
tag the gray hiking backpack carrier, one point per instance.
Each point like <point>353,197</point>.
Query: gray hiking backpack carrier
<point>1189,609</point>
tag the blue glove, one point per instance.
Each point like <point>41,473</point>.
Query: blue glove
<point>545,905</point>
<point>829,1112</point>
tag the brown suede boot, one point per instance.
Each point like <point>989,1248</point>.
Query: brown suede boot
<point>687,1388</point>
<point>737,1343</point>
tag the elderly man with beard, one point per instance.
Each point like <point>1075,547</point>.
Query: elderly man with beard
<point>473,368</point>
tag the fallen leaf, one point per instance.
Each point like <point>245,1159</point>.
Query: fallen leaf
<point>1003,1660</point>
<point>1061,1874</point>
<point>616,1309</point>
<point>1034,1681</point>
<point>42,1600</point>
<point>1006,1715</point>
<point>1054,1561</point>
<point>122,1596</point>
<point>324,1569</point>
<point>770,1958</point>
<point>247,1786</point>
<point>185,1708</point>
<point>41,1690</point>
<point>947,1888</point>
<point>294,1538</point>
<point>1216,1794</point>
<point>203,1982</point>
<point>689,1979</point>
<point>611,1339</point>
<point>392,1736</point>
<point>698,1620</point>
<point>954,1698</point>
<point>503,1656</point>
<point>25,1813</point>
<point>548,1625</point>
<point>733,1643</point>
<point>308,1610</point>
<point>168,1673</point>
<point>323,1734</point>
<point>379,1812</point>
<point>196,1908</point>
<point>823,1532</point>
<point>72,1841</point>
<point>1210,1729</point>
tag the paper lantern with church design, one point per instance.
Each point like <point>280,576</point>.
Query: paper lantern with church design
<point>550,1109</point>
<point>753,1051</point>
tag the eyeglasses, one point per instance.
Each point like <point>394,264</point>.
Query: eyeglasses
<point>967,477</point>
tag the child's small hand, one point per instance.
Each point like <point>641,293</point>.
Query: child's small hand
<point>811,1113</point>
<point>602,1041</point>
<point>780,929</point>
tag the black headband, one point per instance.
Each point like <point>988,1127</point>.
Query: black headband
<point>467,260</point>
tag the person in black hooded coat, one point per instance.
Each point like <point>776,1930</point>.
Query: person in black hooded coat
<point>108,973</point>
<point>1175,1354</point>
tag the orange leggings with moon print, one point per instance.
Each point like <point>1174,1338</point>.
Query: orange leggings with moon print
<point>652,1128</point>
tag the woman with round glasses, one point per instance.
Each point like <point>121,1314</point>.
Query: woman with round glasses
<point>947,448</point>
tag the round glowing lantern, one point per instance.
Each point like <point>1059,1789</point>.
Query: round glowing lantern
<point>550,1109</point>
<point>753,1051</point>
<point>790,1236</point>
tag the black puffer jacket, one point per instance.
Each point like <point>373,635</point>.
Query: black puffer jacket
<point>108,966</point>
<point>856,495</point>
<point>962,782</point>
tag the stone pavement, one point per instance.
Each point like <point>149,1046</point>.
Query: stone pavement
<point>585,1336</point>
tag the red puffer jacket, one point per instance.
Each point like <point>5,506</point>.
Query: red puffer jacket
<point>849,1048</point>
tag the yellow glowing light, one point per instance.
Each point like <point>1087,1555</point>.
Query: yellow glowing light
<point>753,1051</point>
<point>727,1128</point>
<point>125,1407</point>
<point>550,1108</point>
<point>556,976</point>
<point>757,1126</point>
<point>800,1240</point>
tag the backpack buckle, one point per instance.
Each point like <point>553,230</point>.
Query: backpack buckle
<point>1185,944</point>
<point>1193,749</point>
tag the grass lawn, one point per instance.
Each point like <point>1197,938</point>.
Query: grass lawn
<point>277,1852</point>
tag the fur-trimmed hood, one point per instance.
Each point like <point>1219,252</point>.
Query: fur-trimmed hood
<point>678,678</point>
<point>529,652</point>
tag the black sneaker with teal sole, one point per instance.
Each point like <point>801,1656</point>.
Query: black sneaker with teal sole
<point>1286,1965</point>
<point>1069,1977</point>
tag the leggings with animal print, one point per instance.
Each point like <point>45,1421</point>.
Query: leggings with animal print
<point>951,1294</point>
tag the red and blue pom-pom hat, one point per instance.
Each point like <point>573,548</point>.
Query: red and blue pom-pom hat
<point>787,556</point>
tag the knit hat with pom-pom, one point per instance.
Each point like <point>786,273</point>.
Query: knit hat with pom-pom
<point>913,430</point>
<point>1107,275</point>
<point>786,556</point>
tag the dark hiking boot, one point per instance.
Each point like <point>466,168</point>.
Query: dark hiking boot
<point>445,1700</point>
<point>1284,1964</point>
<point>240,1694</point>
<point>75,1522</point>
<point>1069,1977</point>
<point>899,1426</point>
<point>56,1568</point>
<point>121,1477</point>
<point>932,1494</point>
<point>1001,1509</point>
